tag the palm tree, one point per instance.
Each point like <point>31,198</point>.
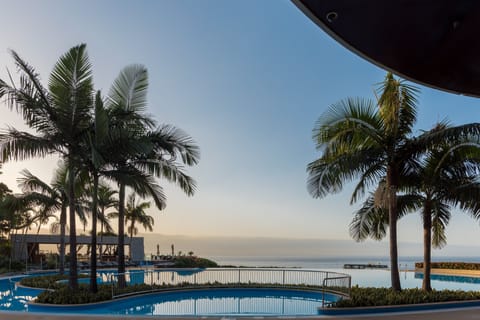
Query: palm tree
<point>18,212</point>
<point>142,152</point>
<point>53,198</point>
<point>359,141</point>
<point>94,162</point>
<point>60,116</point>
<point>106,200</point>
<point>135,213</point>
<point>445,179</point>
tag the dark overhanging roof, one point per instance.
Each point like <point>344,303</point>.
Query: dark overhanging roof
<point>432,42</point>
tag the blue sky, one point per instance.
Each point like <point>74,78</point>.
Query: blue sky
<point>247,79</point>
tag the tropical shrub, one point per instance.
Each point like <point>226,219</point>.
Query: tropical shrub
<point>451,265</point>
<point>65,295</point>
<point>193,262</point>
<point>46,281</point>
<point>370,297</point>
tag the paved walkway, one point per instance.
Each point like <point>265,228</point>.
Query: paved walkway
<point>458,314</point>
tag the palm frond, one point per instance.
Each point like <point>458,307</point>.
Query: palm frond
<point>18,145</point>
<point>397,105</point>
<point>171,140</point>
<point>369,221</point>
<point>350,122</point>
<point>327,175</point>
<point>71,89</point>
<point>171,171</point>
<point>28,182</point>
<point>128,95</point>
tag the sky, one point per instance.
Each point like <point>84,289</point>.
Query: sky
<point>247,80</point>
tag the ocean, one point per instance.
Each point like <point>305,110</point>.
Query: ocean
<point>405,263</point>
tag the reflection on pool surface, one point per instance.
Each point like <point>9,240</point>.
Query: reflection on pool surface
<point>14,298</point>
<point>213,302</point>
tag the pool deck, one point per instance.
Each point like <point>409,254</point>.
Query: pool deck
<point>464,314</point>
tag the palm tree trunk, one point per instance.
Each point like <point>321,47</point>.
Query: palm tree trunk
<point>132,225</point>
<point>63,222</point>
<point>73,273</point>
<point>101,234</point>
<point>392,215</point>
<point>93,253</point>
<point>36,238</point>
<point>427,247</point>
<point>121,236</point>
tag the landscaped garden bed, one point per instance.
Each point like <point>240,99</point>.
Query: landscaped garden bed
<point>451,265</point>
<point>372,297</point>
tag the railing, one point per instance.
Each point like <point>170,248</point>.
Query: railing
<point>340,284</point>
<point>159,279</point>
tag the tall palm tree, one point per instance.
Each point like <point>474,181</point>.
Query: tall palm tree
<point>106,200</point>
<point>53,197</point>
<point>60,116</point>
<point>135,213</point>
<point>18,212</point>
<point>92,157</point>
<point>358,140</point>
<point>141,151</point>
<point>445,179</point>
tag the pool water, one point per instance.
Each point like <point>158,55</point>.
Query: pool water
<point>14,298</point>
<point>223,301</point>
<point>211,302</point>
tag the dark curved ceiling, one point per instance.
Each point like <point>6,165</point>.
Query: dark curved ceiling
<point>432,42</point>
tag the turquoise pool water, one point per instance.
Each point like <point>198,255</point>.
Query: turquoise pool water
<point>222,302</point>
<point>211,302</point>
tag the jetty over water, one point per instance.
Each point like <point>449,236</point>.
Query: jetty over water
<point>364,266</point>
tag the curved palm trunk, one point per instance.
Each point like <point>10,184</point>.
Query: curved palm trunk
<point>392,215</point>
<point>93,253</point>
<point>427,247</point>
<point>73,273</point>
<point>63,222</point>
<point>121,236</point>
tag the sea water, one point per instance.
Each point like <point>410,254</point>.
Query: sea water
<point>363,277</point>
<point>405,263</point>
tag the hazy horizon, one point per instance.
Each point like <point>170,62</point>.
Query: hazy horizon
<point>258,246</point>
<point>249,246</point>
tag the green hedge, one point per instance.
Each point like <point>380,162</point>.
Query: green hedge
<point>193,262</point>
<point>369,297</point>
<point>46,281</point>
<point>451,265</point>
<point>65,295</point>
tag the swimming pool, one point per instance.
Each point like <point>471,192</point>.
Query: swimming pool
<point>210,302</point>
<point>221,301</point>
<point>270,292</point>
